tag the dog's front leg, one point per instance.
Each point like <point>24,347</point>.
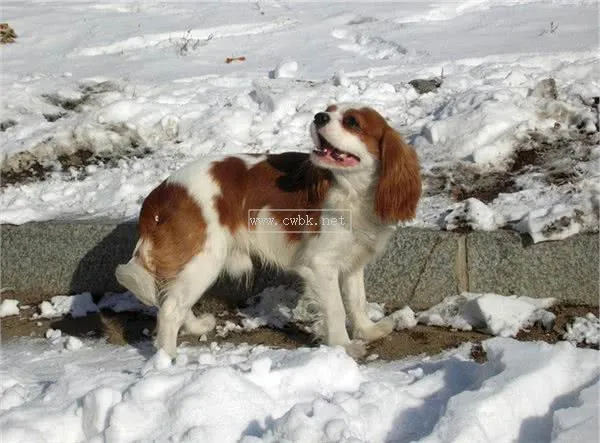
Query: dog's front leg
<point>322,288</point>
<point>353,291</point>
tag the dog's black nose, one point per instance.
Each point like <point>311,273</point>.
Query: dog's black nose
<point>321,119</point>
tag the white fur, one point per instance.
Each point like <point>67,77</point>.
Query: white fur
<point>331,263</point>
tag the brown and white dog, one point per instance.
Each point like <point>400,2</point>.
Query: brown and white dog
<point>196,225</point>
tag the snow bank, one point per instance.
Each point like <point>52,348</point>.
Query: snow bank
<point>526,384</point>
<point>492,313</point>
<point>528,391</point>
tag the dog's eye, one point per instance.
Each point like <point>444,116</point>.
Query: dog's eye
<point>351,122</point>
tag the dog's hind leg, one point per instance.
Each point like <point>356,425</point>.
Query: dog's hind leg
<point>181,294</point>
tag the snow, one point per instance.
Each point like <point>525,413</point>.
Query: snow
<point>285,69</point>
<point>274,306</point>
<point>579,422</point>
<point>498,416</point>
<point>53,335</point>
<point>77,105</point>
<point>584,330</point>
<point>404,318</point>
<point>280,306</point>
<point>9,307</point>
<point>524,392</point>
<point>78,305</point>
<point>492,313</point>
<point>124,302</point>
<point>475,215</point>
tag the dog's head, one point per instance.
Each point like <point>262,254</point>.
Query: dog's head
<point>351,138</point>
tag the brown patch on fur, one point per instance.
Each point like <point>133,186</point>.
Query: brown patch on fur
<point>372,127</point>
<point>331,108</point>
<point>399,187</point>
<point>282,181</point>
<point>231,174</point>
<point>172,224</point>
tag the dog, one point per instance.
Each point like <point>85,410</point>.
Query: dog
<point>215,214</point>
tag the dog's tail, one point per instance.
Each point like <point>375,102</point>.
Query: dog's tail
<point>136,278</point>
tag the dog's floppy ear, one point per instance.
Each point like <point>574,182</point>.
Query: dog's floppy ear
<point>399,187</point>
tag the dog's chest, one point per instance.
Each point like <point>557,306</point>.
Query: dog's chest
<point>363,234</point>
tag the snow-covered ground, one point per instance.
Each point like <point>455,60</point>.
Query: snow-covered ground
<point>66,390</point>
<point>102,100</point>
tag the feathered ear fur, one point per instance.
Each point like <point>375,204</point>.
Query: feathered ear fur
<point>399,187</point>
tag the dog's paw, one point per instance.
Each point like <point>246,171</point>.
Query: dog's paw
<point>160,360</point>
<point>356,349</point>
<point>375,331</point>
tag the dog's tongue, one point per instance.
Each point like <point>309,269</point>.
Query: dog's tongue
<point>338,157</point>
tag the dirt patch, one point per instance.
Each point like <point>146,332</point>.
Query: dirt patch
<point>122,328</point>
<point>25,167</point>
<point>87,95</point>
<point>71,155</point>
<point>464,180</point>
<point>51,118</point>
<point>553,157</point>
<point>7,34</point>
<point>7,124</point>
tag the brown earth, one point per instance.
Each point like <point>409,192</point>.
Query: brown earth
<point>122,328</point>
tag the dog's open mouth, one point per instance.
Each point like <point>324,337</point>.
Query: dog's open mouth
<point>330,154</point>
